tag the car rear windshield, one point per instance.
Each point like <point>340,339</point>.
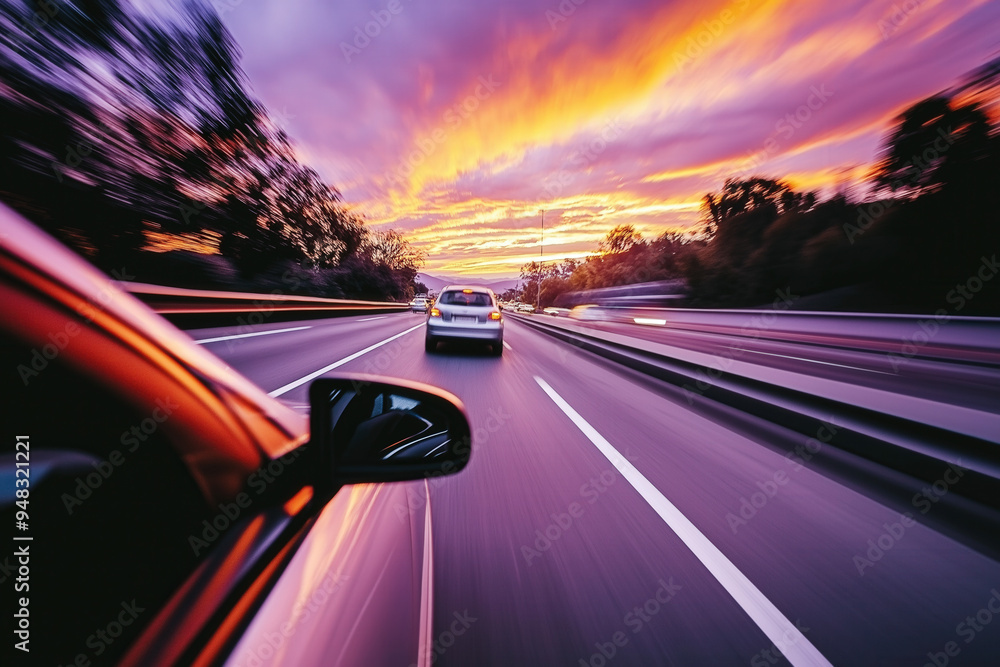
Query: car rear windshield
<point>465,299</point>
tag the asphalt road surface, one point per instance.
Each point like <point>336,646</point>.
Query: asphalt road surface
<point>603,521</point>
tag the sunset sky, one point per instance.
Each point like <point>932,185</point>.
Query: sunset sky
<point>458,122</point>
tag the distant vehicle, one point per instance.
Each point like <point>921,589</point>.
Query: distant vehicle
<point>660,293</point>
<point>590,312</point>
<point>465,312</point>
<point>556,312</point>
<point>420,304</point>
<point>525,308</point>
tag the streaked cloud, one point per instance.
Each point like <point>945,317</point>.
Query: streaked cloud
<point>461,122</point>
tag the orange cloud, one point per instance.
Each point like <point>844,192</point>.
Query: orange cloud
<point>544,91</point>
<point>638,120</point>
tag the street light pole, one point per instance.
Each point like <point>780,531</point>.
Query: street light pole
<point>541,246</point>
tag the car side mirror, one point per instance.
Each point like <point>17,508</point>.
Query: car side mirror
<point>372,429</point>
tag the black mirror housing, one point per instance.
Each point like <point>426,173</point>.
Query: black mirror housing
<point>373,429</point>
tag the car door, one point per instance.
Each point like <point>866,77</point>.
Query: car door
<point>164,496</point>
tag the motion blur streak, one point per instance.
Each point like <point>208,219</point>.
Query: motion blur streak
<point>774,624</point>
<point>326,369</point>
<point>539,539</point>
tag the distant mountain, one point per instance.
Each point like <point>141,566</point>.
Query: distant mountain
<point>501,286</point>
<point>435,283</point>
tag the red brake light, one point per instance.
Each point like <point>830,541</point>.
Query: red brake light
<point>435,312</point>
<point>495,315</point>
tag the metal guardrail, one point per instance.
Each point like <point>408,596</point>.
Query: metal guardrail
<point>938,336</point>
<point>905,433</point>
<point>192,306</point>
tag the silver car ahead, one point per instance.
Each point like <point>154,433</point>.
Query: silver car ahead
<point>464,312</point>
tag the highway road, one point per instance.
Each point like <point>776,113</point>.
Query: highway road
<point>604,521</point>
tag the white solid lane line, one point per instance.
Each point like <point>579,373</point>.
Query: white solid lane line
<point>507,346</point>
<point>256,333</point>
<point>796,648</point>
<point>425,638</point>
<point>315,374</point>
<point>369,319</point>
<point>816,361</point>
<point>248,335</point>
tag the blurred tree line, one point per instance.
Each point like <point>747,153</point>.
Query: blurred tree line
<point>623,258</point>
<point>127,130</point>
<point>924,238</point>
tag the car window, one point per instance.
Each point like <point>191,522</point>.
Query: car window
<point>465,299</point>
<point>110,507</point>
